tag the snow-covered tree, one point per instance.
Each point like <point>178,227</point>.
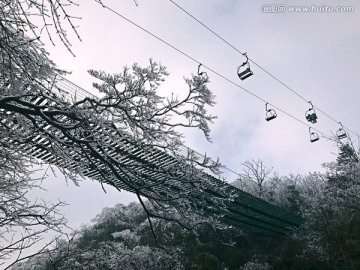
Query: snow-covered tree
<point>37,116</point>
<point>118,238</point>
<point>330,206</point>
<point>24,68</point>
<point>255,265</point>
<point>253,177</point>
<point>23,222</point>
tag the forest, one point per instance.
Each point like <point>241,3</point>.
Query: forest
<point>120,237</point>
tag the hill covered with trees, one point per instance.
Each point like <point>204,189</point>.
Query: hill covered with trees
<point>120,237</point>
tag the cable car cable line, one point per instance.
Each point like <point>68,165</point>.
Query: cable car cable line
<point>212,70</point>
<point>256,64</point>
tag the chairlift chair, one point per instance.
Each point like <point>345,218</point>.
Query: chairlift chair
<point>341,133</point>
<point>310,114</point>
<point>311,117</point>
<point>313,136</point>
<point>247,71</point>
<point>202,74</point>
<point>270,113</point>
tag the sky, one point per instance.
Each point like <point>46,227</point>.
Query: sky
<point>317,54</point>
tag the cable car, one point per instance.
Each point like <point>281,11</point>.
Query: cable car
<point>313,136</point>
<point>311,114</point>
<point>247,71</point>
<point>341,133</point>
<point>270,113</point>
<point>202,74</point>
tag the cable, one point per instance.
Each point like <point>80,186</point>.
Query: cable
<point>232,46</point>
<point>215,72</point>
<point>158,38</point>
<point>210,69</point>
<point>263,69</point>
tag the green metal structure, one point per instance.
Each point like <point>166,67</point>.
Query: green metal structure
<point>151,172</point>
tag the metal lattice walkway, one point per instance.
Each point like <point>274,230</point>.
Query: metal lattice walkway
<point>148,169</point>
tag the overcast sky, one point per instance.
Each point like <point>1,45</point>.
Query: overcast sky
<point>317,54</point>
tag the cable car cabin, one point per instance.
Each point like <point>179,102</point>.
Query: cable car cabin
<point>313,137</point>
<point>311,116</point>
<point>245,67</point>
<point>202,74</point>
<point>270,113</point>
<point>341,134</point>
<point>244,74</point>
